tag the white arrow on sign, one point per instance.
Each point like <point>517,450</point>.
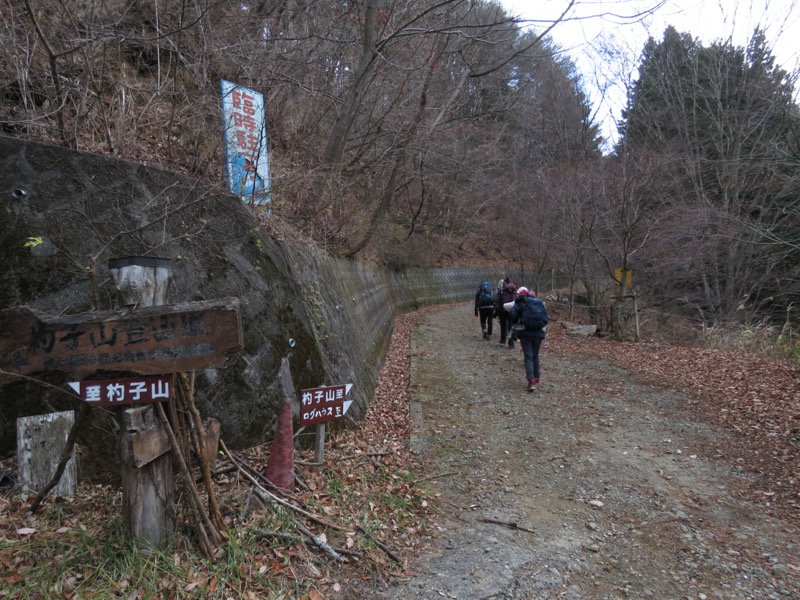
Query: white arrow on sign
<point>320,405</point>
<point>347,403</point>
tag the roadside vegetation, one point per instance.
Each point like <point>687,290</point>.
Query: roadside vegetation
<point>373,504</point>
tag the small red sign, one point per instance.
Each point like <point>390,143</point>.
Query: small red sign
<point>121,392</point>
<point>323,404</point>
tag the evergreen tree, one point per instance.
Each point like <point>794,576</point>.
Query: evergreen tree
<point>726,114</point>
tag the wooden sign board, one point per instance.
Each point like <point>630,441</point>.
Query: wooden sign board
<point>323,404</point>
<point>127,391</point>
<point>148,341</point>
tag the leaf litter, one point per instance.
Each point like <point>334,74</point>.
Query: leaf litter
<point>377,490</point>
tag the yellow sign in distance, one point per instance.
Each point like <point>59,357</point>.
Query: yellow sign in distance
<point>624,276</point>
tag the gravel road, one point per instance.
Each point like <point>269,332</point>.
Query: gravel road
<point>597,485</point>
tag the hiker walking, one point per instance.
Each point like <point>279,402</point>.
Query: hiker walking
<point>529,317</point>
<point>506,295</point>
<point>484,307</point>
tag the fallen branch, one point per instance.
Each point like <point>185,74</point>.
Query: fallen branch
<point>326,548</point>
<point>208,534</point>
<point>355,553</point>
<point>290,538</point>
<point>267,496</point>
<point>220,470</point>
<point>239,464</point>
<point>362,454</point>
<point>66,454</point>
<point>505,524</point>
<point>298,481</point>
<point>438,475</point>
<point>380,544</point>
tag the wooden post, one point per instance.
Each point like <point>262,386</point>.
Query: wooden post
<point>148,487</point>
<point>40,442</point>
<point>213,429</point>
<point>147,480</point>
<point>319,446</point>
<point>141,280</point>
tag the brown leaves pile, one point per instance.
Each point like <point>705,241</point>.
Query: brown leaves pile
<point>756,398</point>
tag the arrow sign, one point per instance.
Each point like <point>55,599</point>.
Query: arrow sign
<point>323,404</point>
<point>121,392</point>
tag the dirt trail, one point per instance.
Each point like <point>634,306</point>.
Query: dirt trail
<point>597,485</point>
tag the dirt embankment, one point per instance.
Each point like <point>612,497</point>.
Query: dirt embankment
<point>597,485</point>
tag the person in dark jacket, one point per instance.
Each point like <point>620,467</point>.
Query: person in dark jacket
<point>484,307</point>
<point>530,340</point>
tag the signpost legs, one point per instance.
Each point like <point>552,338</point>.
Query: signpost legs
<point>147,479</point>
<point>319,445</point>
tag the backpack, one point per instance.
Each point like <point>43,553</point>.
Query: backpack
<point>508,294</point>
<point>534,315</point>
<point>485,296</point>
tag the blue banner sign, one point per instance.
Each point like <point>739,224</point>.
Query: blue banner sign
<point>245,133</point>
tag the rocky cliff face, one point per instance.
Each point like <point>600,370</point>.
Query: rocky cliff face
<point>65,214</point>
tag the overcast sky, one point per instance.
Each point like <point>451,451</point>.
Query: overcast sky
<point>599,27</point>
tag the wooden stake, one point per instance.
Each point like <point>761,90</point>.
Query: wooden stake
<point>319,445</point>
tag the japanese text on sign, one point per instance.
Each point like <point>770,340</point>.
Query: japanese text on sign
<point>106,344</point>
<point>245,132</point>
<point>319,405</point>
<point>323,395</point>
<point>151,341</point>
<point>118,392</point>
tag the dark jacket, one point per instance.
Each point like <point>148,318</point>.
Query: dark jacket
<point>479,306</point>
<point>516,316</point>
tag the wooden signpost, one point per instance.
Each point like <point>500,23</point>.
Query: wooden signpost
<point>153,342</point>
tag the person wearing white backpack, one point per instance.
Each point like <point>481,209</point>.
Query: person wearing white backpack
<point>505,295</point>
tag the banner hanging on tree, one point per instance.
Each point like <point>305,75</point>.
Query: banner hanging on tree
<point>245,132</point>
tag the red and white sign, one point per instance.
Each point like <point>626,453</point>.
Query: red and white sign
<point>121,392</point>
<point>323,404</point>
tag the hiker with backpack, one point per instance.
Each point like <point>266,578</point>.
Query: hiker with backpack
<point>529,316</point>
<point>484,306</point>
<point>507,294</point>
